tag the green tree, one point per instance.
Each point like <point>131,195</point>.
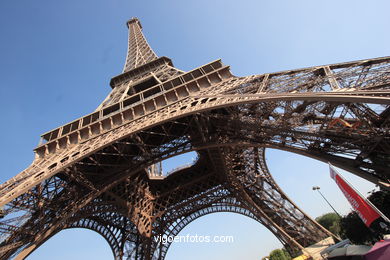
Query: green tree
<point>353,227</point>
<point>330,221</point>
<point>381,199</point>
<point>279,254</point>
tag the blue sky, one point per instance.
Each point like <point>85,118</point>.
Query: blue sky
<point>57,57</point>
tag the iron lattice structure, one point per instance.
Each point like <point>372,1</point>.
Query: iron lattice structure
<point>103,171</point>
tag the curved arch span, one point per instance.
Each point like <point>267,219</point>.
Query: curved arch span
<point>229,207</point>
<point>111,234</point>
<point>339,162</point>
<point>51,254</point>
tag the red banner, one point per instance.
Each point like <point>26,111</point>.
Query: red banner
<point>359,204</point>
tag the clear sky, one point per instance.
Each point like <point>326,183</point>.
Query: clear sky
<point>57,57</point>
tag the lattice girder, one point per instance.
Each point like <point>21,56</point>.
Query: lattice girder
<point>221,137</point>
<point>251,180</point>
<point>139,52</point>
<point>179,208</point>
<point>204,98</point>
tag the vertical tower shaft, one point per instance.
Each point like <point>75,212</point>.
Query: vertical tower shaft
<point>139,52</point>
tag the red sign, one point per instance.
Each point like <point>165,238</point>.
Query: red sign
<point>359,204</point>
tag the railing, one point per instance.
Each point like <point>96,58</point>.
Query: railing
<point>134,106</point>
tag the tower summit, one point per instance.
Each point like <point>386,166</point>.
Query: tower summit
<point>101,171</point>
<point>139,52</point>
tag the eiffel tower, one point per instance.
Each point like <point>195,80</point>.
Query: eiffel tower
<point>103,171</point>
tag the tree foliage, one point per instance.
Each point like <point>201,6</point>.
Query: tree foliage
<point>381,199</point>
<point>330,221</point>
<point>353,227</point>
<point>279,254</point>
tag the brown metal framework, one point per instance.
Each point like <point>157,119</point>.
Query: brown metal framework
<point>102,171</point>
